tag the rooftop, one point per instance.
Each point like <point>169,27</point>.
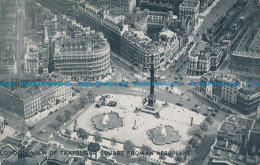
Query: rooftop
<point>250,90</point>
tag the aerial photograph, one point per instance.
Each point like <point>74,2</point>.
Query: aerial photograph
<point>129,82</point>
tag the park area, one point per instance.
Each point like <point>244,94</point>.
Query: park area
<point>136,125</point>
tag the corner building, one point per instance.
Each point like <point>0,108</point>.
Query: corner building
<point>86,56</point>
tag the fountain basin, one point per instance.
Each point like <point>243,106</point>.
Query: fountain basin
<point>163,135</point>
<point>105,122</point>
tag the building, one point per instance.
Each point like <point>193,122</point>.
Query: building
<point>2,124</point>
<point>246,57</point>
<point>27,101</point>
<point>231,143</point>
<point>204,4</point>
<point>8,40</point>
<point>220,88</point>
<point>245,62</point>
<point>237,142</point>
<point>31,59</point>
<point>189,9</point>
<point>30,151</point>
<point>248,99</point>
<point>121,29</point>
<point>138,49</point>
<point>202,58</point>
<point>127,5</point>
<point>157,5</point>
<point>86,56</point>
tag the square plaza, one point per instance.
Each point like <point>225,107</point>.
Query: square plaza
<point>177,117</point>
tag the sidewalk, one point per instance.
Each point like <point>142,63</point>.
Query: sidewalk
<point>34,119</point>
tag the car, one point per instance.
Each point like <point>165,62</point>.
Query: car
<point>205,114</point>
<point>43,131</point>
<point>56,110</point>
<point>209,109</point>
<point>213,114</point>
<point>179,103</point>
<point>195,110</point>
<point>216,110</point>
<point>51,112</point>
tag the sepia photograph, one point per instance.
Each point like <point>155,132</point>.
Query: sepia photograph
<point>129,82</point>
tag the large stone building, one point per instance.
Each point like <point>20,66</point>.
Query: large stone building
<point>127,5</point>
<point>220,88</point>
<point>202,58</point>
<point>115,27</point>
<point>237,142</point>
<point>8,40</point>
<point>248,99</point>
<point>204,4</point>
<point>85,56</point>
<point>246,57</point>
<point>26,101</point>
<point>231,143</point>
<point>189,9</point>
<point>138,48</point>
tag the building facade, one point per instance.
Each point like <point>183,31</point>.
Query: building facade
<point>2,124</point>
<point>202,58</point>
<point>118,33</point>
<point>189,9</point>
<point>248,99</point>
<point>28,101</point>
<point>86,56</point>
<point>245,62</point>
<point>127,5</point>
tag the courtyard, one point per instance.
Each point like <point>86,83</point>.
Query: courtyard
<point>136,125</point>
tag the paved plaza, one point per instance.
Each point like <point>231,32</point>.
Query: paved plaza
<point>177,117</point>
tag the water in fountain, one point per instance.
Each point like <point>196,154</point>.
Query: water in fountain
<point>105,120</point>
<point>163,131</point>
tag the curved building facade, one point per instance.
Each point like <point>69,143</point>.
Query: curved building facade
<point>86,56</point>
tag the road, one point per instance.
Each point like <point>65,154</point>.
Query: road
<point>222,7</point>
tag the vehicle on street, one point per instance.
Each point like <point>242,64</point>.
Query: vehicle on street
<point>205,114</point>
<point>213,114</point>
<point>210,109</point>
<point>180,103</point>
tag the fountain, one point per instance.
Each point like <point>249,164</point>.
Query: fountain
<point>163,131</point>
<point>163,135</point>
<point>105,120</point>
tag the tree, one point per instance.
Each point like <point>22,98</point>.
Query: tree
<point>98,137</point>
<point>209,120</point>
<point>68,132</point>
<point>179,158</point>
<point>196,131</point>
<point>91,95</point>
<point>194,142</point>
<point>60,118</point>
<point>204,126</point>
<point>93,147</point>
<point>82,101</point>
<point>129,146</point>
<point>67,115</point>
<point>113,141</point>
<point>162,157</point>
<point>146,150</point>
<point>189,148</point>
<point>82,134</point>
